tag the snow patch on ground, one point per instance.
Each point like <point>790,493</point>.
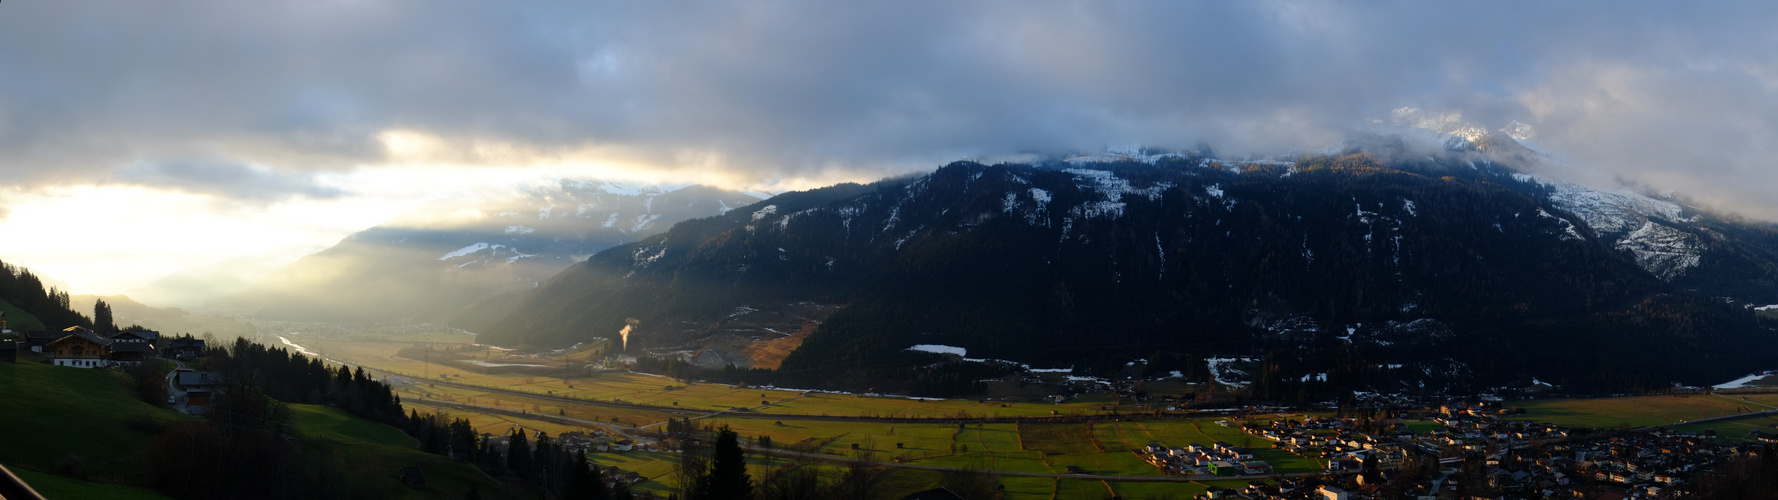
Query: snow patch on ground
<point>763,212</point>
<point>1740,382</point>
<point>1665,252</point>
<point>1217,370</point>
<point>1114,188</point>
<point>644,259</point>
<point>939,349</point>
<point>298,348</point>
<point>1608,211</point>
<point>465,251</point>
<point>1568,227</point>
<point>642,221</point>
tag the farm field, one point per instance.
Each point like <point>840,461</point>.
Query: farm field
<point>1634,411</point>
<point>1082,488</point>
<point>619,416</point>
<point>663,391</point>
<point>493,423</point>
<point>1734,430</point>
<point>656,467</point>
<point>1423,427</point>
<point>1766,400</point>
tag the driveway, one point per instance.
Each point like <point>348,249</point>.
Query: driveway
<point>173,389</point>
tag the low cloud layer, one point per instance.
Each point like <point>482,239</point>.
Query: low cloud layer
<point>271,93</point>
<point>231,180</point>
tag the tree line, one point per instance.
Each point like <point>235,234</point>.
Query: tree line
<point>23,289</point>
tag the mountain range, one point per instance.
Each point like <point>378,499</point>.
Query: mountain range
<point>1377,267</point>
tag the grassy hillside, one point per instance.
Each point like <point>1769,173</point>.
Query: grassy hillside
<point>58,488</point>
<point>56,413</point>
<point>61,416</point>
<point>371,456</point>
<point>17,319</point>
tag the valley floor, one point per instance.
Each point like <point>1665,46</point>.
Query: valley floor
<point>1059,458</point>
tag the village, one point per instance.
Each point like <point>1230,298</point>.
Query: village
<point>1469,452</point>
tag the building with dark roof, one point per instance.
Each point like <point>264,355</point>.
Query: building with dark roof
<point>129,353</point>
<point>36,339</point>
<point>184,348</point>
<point>143,336</point>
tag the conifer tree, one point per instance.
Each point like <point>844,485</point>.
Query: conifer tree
<point>102,317</point>
<point>728,469</point>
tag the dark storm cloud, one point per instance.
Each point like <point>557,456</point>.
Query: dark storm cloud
<point>772,89</point>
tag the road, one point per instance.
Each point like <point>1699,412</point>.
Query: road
<point>173,390</point>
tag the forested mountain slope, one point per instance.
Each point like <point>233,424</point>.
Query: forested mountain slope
<point>1378,268</point>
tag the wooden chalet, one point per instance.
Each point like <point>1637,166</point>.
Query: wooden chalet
<point>81,349</point>
<point>9,351</point>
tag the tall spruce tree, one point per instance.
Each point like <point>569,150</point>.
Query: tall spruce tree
<point>728,469</point>
<point>518,454</point>
<point>102,317</point>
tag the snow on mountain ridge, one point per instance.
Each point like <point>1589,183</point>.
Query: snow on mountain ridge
<point>1639,224</point>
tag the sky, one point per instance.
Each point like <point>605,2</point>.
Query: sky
<point>142,138</point>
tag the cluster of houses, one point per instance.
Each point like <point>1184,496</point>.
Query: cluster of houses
<point>1637,465</point>
<point>1480,430</point>
<point>1478,450</point>
<point>81,347</point>
<point>1345,450</point>
<point>1219,459</point>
